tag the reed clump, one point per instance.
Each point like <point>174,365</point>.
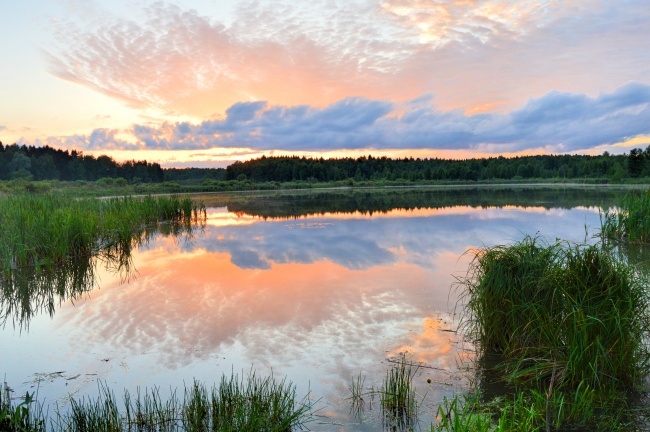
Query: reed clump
<point>558,310</point>
<point>631,222</point>
<point>397,396</point>
<point>46,230</point>
<point>569,324</point>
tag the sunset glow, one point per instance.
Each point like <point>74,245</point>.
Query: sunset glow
<point>204,83</point>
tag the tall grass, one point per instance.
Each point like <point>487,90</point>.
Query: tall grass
<point>249,403</point>
<point>46,230</point>
<point>571,313</point>
<point>631,222</point>
<point>397,397</point>
<point>569,324</point>
<point>27,416</point>
<point>529,411</point>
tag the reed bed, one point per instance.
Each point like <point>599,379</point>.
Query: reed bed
<point>46,230</point>
<point>569,312</point>
<point>249,403</point>
<point>569,324</point>
<point>631,222</point>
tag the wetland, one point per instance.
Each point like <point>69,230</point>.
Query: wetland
<point>320,288</point>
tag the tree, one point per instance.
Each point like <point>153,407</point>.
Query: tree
<point>635,162</point>
<point>20,165</point>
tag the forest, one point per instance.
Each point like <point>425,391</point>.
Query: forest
<point>291,169</point>
<point>47,163</point>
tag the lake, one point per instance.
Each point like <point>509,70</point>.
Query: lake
<point>319,287</point>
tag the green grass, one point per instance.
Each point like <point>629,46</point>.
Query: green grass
<point>397,396</point>
<point>530,410</point>
<point>569,312</point>
<point>569,324</point>
<point>631,222</point>
<point>249,403</point>
<point>46,230</point>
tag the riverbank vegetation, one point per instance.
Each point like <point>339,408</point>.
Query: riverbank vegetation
<point>46,230</point>
<point>249,403</point>
<point>630,223</point>
<point>567,325</point>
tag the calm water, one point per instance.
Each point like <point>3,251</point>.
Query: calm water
<point>317,287</point>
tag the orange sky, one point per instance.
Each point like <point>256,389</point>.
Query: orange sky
<point>201,83</point>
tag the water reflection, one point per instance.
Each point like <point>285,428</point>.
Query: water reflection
<point>26,292</point>
<point>319,287</point>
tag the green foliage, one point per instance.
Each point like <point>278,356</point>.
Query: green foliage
<point>47,163</point>
<point>572,313</point>
<point>397,396</point>
<point>631,223</point>
<point>569,324</point>
<point>19,418</point>
<point>247,404</point>
<point>367,168</point>
<point>531,410</point>
<point>46,230</point>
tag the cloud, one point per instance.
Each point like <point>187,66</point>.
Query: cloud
<point>474,55</point>
<point>558,122</point>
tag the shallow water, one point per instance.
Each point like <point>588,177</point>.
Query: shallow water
<point>318,287</point>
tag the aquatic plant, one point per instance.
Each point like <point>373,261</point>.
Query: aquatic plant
<point>249,403</point>
<point>46,230</point>
<point>569,312</point>
<point>357,401</point>
<point>27,416</point>
<point>568,323</point>
<point>629,223</point>
<point>397,396</point>
<point>531,410</point>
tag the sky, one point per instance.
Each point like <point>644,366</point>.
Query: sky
<point>207,82</point>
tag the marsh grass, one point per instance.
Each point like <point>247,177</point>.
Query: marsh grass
<point>531,410</point>
<point>82,235</point>
<point>398,396</point>
<point>357,395</point>
<point>249,403</point>
<point>26,416</point>
<point>45,230</point>
<point>631,222</point>
<point>569,312</point>
<point>568,323</point>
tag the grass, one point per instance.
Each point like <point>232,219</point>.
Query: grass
<point>569,324</point>
<point>50,245</point>
<point>249,403</point>
<point>397,397</point>
<point>631,222</point>
<point>21,417</point>
<point>357,394</point>
<point>572,313</point>
<point>530,411</point>
<point>46,230</point>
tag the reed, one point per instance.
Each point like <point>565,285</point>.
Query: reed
<point>27,416</point>
<point>629,223</point>
<point>357,394</point>
<point>530,410</point>
<point>249,403</point>
<point>569,324</point>
<point>46,230</point>
<point>397,396</point>
<point>571,313</point>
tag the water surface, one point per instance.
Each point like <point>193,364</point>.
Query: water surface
<point>319,287</point>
